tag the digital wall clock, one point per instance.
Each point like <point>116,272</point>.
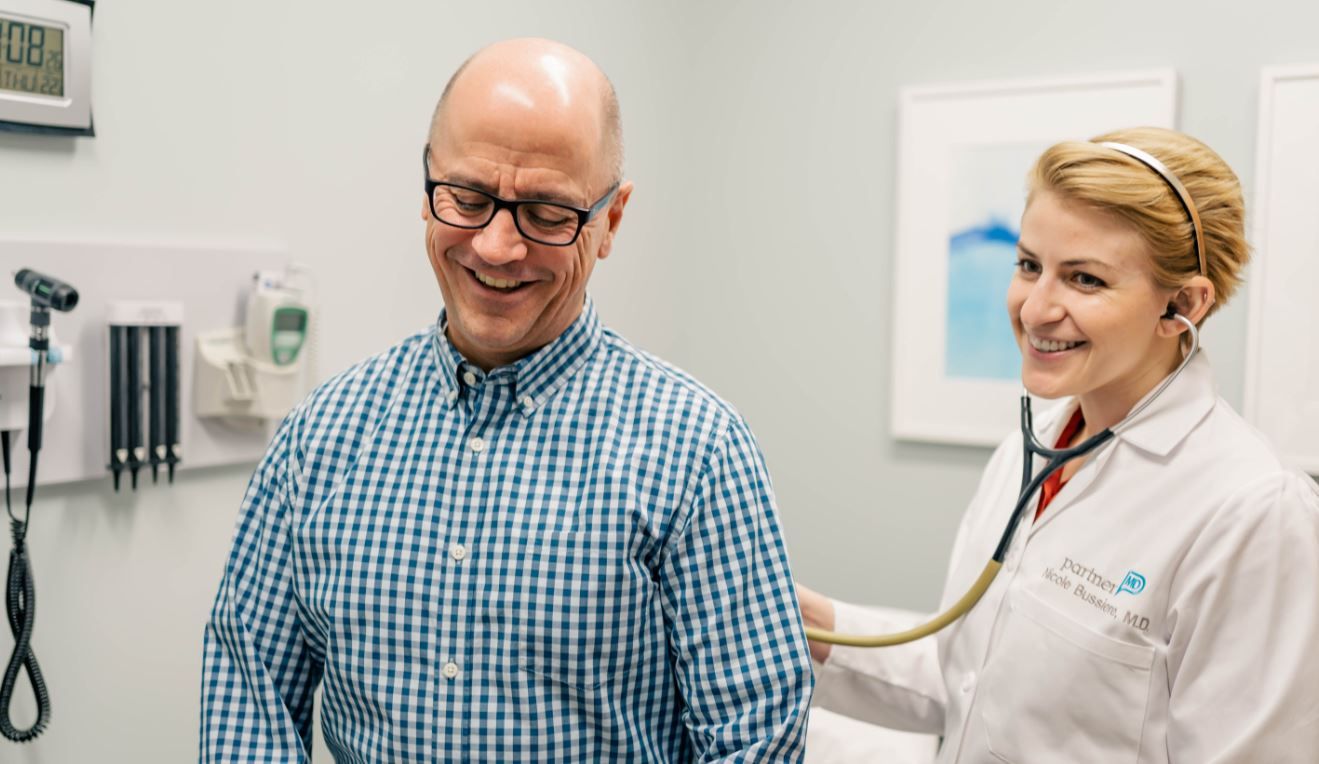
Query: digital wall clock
<point>46,66</point>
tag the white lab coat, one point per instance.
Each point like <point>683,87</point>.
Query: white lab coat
<point>1215,659</point>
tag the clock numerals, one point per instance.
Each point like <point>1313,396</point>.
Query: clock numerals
<point>31,58</point>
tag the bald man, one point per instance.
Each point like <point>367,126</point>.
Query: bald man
<point>512,537</point>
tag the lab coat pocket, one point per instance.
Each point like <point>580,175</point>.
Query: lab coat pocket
<point>587,592</point>
<point>1054,689</point>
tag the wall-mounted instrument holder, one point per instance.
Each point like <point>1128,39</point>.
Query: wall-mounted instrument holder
<point>144,388</point>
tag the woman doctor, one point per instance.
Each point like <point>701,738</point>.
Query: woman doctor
<point>1160,601</point>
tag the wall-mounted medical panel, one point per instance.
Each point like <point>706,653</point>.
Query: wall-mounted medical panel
<point>202,288</point>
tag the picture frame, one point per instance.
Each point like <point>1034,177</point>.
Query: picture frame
<point>1282,356</point>
<point>963,154</point>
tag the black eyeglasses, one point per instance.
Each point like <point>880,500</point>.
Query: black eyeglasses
<point>557,225</point>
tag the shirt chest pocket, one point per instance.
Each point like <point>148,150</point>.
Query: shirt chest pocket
<point>578,605</point>
<point>1056,690</point>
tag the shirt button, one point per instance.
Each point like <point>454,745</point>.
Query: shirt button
<point>469,378</point>
<point>477,444</point>
<point>453,396</point>
<point>450,670</point>
<point>458,551</point>
<point>528,403</point>
<point>969,681</point>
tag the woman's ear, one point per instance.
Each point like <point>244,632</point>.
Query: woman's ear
<point>1193,300</point>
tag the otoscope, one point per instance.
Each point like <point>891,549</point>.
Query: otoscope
<point>20,593</point>
<point>46,293</point>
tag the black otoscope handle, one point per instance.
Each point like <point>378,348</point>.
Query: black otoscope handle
<point>156,399</point>
<point>118,449</point>
<point>172,398</point>
<point>134,400</point>
<point>40,345</point>
<point>35,410</point>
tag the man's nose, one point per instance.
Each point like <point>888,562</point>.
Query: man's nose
<point>500,241</point>
<point>1042,305</point>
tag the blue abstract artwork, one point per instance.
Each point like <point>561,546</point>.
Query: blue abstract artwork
<point>987,199</point>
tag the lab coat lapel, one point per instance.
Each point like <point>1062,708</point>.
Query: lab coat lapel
<point>1157,430</point>
<point>1165,424</point>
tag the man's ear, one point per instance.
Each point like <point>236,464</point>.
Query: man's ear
<point>614,216</point>
<point>1193,300</point>
<point>425,208</point>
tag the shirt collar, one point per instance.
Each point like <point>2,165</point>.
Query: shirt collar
<point>1166,421</point>
<point>535,378</point>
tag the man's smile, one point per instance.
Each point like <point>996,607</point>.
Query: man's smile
<point>503,285</point>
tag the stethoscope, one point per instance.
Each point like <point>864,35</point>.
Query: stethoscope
<point>1031,447</point>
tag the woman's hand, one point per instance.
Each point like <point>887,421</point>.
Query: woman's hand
<point>817,611</point>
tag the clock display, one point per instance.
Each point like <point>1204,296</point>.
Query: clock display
<point>31,58</point>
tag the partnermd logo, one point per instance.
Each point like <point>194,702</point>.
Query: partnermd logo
<point>1134,583</point>
<point>1095,589</point>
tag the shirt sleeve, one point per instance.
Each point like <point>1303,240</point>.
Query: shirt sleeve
<point>258,674</point>
<point>739,650</point>
<point>1243,663</point>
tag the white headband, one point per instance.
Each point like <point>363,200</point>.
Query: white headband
<point>1182,194</point>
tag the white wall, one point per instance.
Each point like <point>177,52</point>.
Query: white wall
<point>303,124</point>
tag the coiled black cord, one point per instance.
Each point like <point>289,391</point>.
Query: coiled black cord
<point>20,606</point>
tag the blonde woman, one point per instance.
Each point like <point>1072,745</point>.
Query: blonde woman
<point>1160,600</point>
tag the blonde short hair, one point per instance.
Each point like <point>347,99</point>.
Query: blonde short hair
<point>1106,179</point>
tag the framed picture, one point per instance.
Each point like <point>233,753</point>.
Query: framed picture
<point>963,155</point>
<point>1282,355</point>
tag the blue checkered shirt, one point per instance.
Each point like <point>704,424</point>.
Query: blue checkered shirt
<point>572,558</point>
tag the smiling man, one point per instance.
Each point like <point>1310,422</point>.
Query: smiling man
<point>514,536</point>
